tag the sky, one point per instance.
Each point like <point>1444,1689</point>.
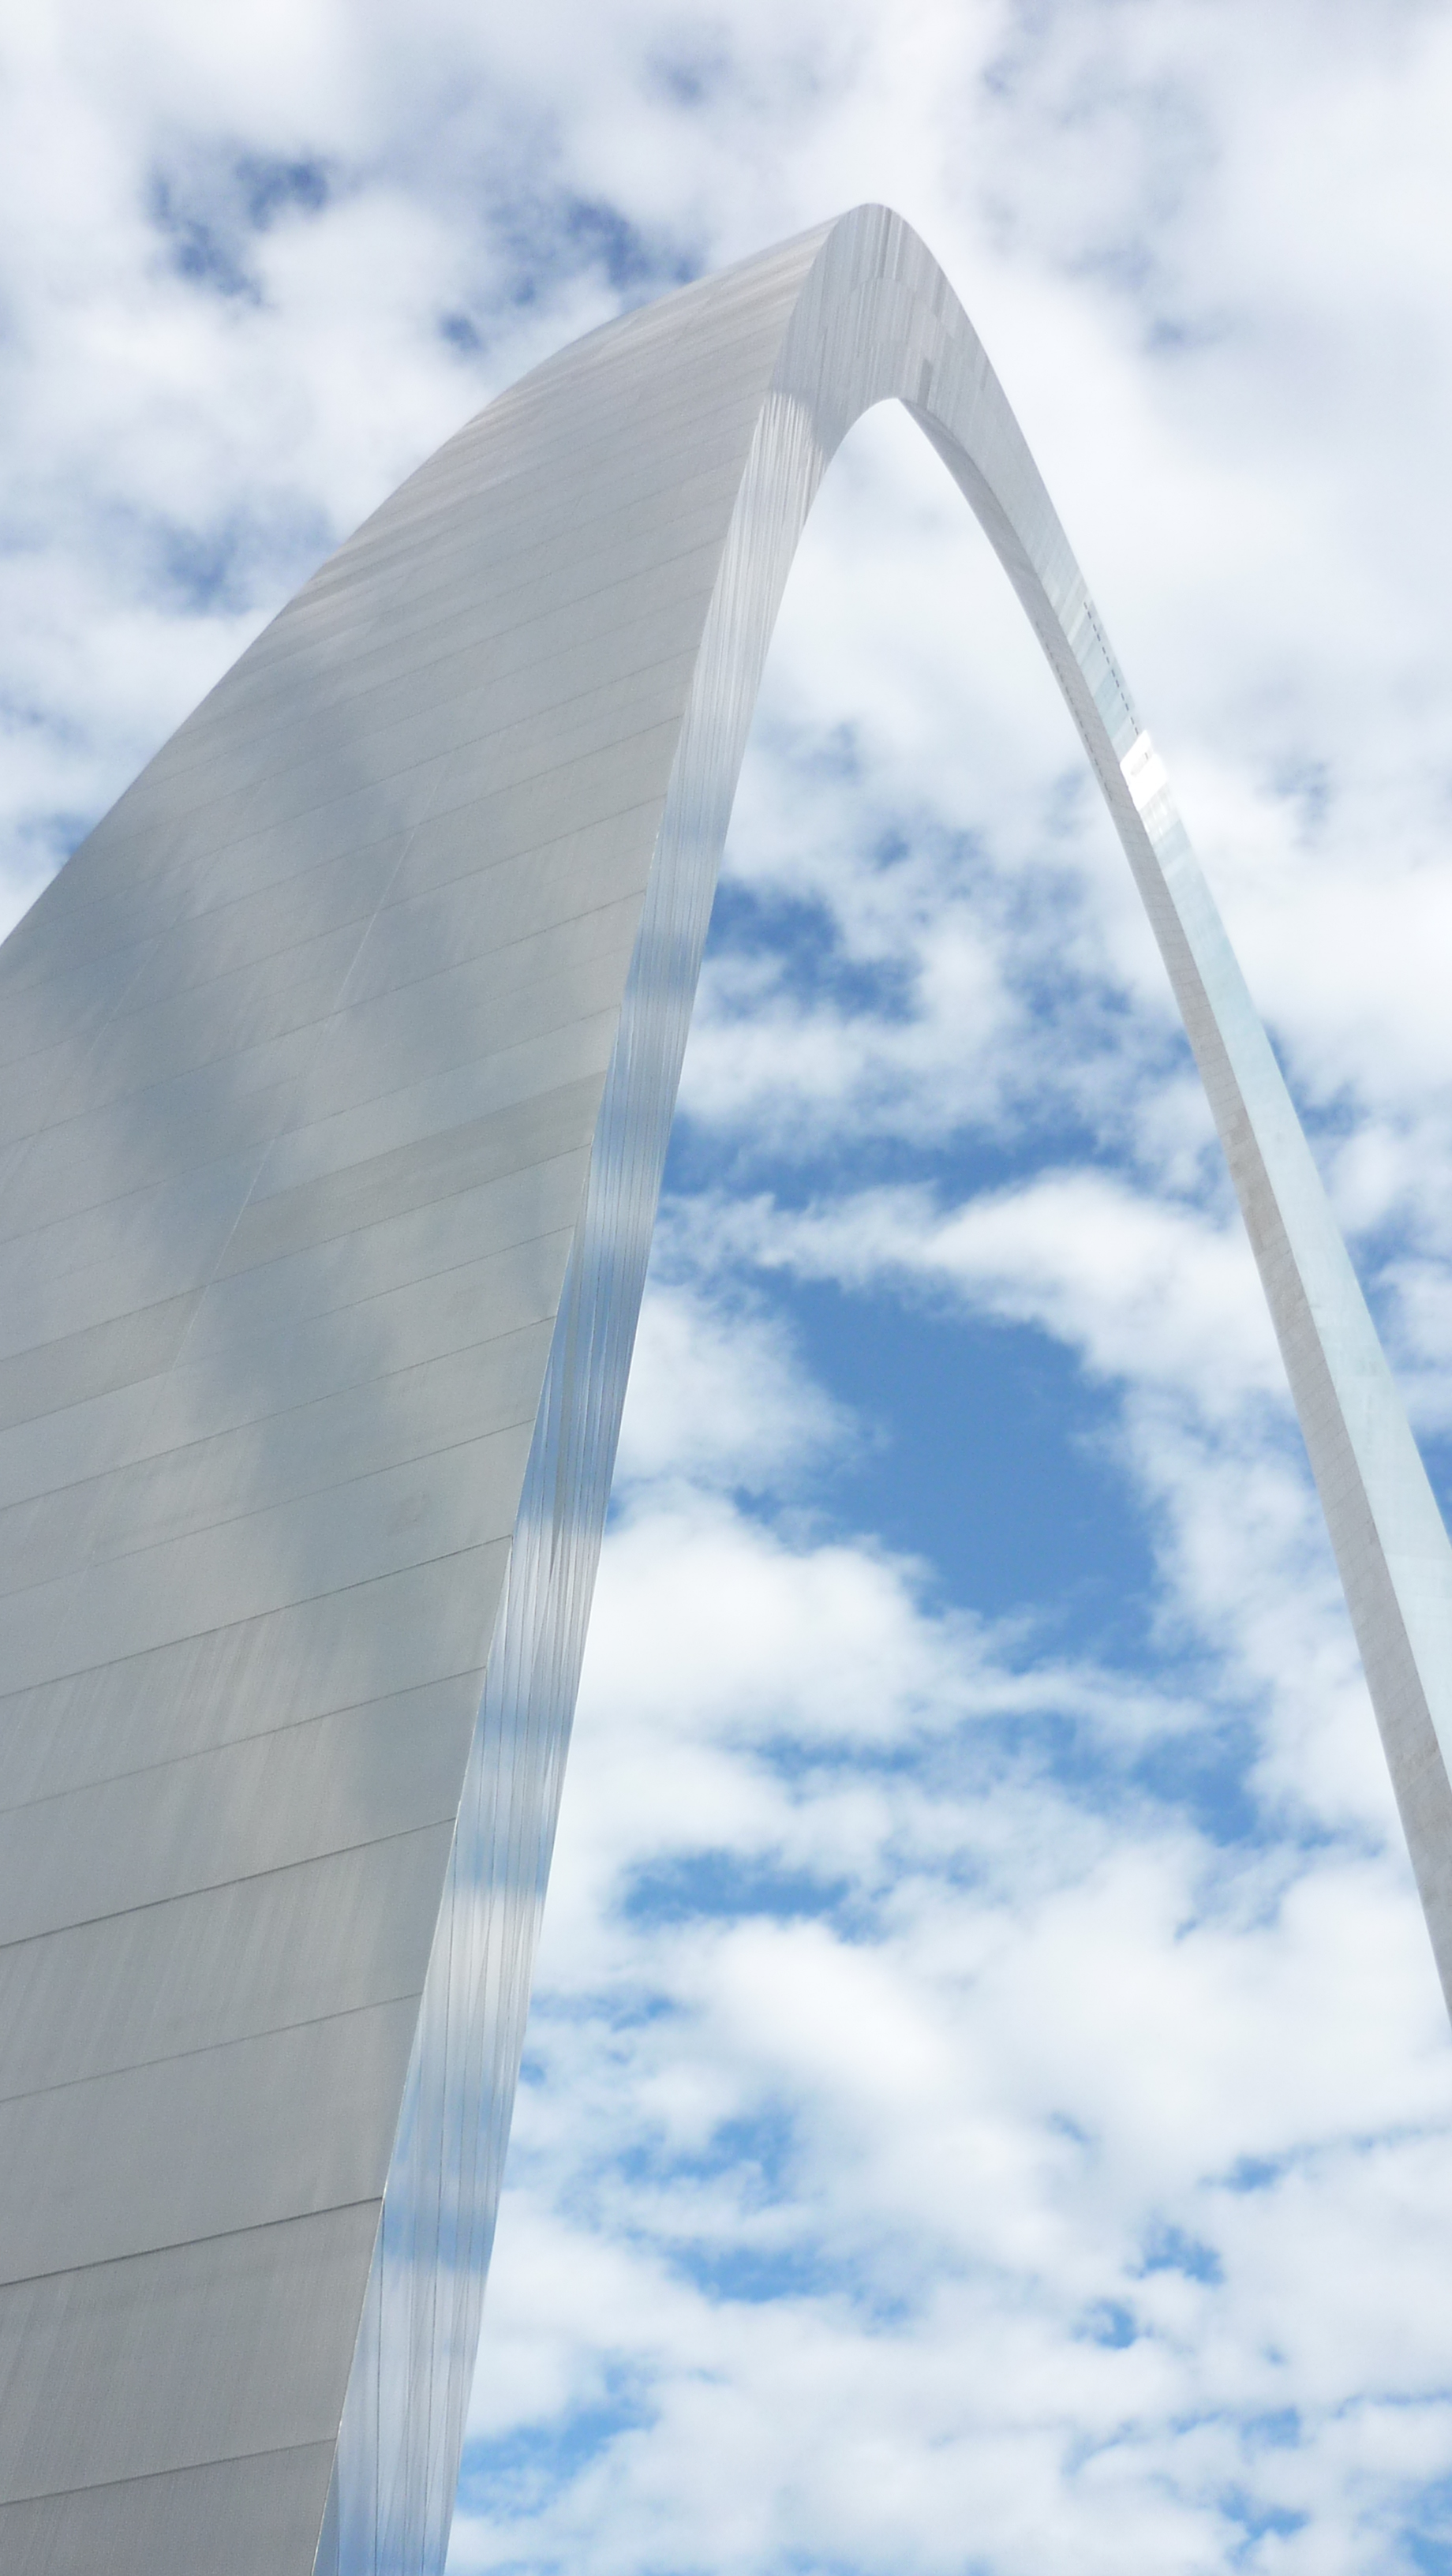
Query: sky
<point>987,2105</point>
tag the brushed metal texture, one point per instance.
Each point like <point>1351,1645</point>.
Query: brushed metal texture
<point>336,1075</point>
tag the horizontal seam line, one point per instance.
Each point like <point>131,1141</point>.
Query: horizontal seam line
<point>207,2048</point>
<point>148,2477</point>
<point>219,2236</point>
<point>255,1735</point>
<point>258,1421</point>
<point>338,1485</point>
<point>214,1887</point>
<point>220,1627</point>
<point>353,1305</point>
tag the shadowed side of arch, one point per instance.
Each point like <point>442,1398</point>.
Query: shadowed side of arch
<point>872,319</point>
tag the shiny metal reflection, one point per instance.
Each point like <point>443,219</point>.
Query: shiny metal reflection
<point>336,1075</point>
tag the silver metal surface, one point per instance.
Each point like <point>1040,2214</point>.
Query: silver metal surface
<point>336,1073</point>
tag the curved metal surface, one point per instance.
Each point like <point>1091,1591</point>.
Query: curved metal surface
<point>875,319</point>
<point>340,1066</point>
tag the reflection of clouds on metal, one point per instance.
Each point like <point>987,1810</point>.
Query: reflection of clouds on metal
<point>338,1071</point>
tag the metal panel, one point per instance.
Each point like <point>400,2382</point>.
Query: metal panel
<point>305,1356</point>
<point>230,2518</point>
<point>132,1251</point>
<point>298,1215</point>
<point>43,1378</point>
<point>462,1095</point>
<point>85,2394</point>
<point>337,1077</point>
<point>185,2148</point>
<point>193,1481</point>
<point>261,1802</point>
<point>266,1952</point>
<point>269,1560</point>
<point>347,1261</point>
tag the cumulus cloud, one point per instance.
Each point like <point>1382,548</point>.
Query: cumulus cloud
<point>987,2101</point>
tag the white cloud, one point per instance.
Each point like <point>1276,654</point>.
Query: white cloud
<point>717,1398</point>
<point>989,2102</point>
<point>1150,1291</point>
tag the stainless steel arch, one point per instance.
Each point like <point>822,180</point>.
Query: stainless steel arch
<point>338,1071</point>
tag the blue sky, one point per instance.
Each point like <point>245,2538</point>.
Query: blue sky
<point>988,2105</point>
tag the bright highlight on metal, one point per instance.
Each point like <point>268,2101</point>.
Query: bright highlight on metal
<point>336,1072</point>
